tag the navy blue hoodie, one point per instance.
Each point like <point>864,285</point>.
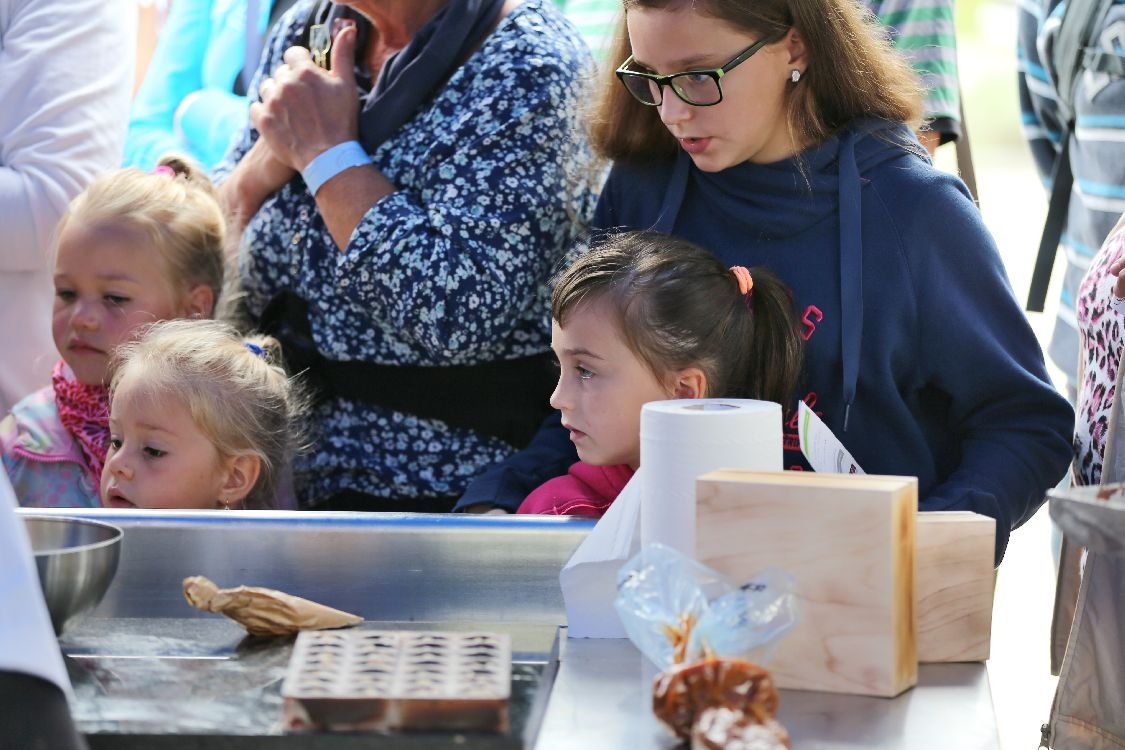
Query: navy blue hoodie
<point>919,357</point>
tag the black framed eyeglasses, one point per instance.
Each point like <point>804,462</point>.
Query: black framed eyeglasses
<point>699,88</point>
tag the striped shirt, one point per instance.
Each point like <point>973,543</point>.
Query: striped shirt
<point>925,33</point>
<point>1097,151</point>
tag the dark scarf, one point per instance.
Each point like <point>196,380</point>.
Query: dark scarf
<point>412,77</point>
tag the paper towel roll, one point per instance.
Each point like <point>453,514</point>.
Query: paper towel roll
<point>682,439</point>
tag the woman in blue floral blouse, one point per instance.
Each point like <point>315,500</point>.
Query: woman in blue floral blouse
<point>399,241</point>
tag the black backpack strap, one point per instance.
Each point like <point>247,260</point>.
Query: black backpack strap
<point>1069,55</point>
<point>1061,181</point>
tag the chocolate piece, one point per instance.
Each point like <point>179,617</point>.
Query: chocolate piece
<point>264,611</point>
<point>682,693</point>
<point>389,680</point>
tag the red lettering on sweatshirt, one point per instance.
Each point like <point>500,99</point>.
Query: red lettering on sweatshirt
<point>812,316</point>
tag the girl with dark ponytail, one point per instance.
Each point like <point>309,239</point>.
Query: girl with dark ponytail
<point>643,317</point>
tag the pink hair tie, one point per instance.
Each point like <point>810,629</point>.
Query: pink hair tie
<point>164,169</point>
<point>745,280</point>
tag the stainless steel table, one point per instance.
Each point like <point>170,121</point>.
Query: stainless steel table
<point>455,572</point>
<point>601,700</point>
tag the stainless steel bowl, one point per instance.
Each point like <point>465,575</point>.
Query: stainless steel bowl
<point>77,560</point>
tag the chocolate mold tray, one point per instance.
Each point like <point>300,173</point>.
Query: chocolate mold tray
<point>398,680</point>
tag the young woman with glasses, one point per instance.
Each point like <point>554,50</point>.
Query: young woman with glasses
<point>778,133</point>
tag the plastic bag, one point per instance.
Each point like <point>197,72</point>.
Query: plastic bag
<point>677,611</point>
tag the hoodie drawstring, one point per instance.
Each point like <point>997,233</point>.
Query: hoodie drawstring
<point>674,195</point>
<point>851,269</point>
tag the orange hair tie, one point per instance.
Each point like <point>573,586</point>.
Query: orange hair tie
<point>745,280</point>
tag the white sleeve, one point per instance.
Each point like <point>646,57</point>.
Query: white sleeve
<point>66,74</point>
<point>27,639</point>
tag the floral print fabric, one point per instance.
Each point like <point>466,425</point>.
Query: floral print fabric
<point>452,268</point>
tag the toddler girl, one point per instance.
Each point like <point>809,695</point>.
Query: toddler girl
<point>646,317</point>
<point>132,249</point>
<point>199,418</point>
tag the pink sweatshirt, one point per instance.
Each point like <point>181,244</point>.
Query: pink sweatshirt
<point>585,490</point>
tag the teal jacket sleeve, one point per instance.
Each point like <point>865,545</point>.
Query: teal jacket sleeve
<point>207,119</point>
<point>186,102</point>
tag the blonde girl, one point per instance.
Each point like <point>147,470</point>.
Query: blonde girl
<point>200,418</point>
<point>134,248</point>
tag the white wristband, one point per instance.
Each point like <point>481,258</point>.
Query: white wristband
<point>332,162</point>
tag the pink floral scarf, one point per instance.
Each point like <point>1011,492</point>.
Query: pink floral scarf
<point>84,412</point>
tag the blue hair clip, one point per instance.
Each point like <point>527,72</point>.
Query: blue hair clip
<point>255,348</point>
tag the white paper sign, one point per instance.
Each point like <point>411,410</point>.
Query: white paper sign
<point>822,449</point>
<point>589,578</point>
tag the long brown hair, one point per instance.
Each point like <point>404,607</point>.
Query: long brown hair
<point>853,72</point>
<point>678,306</point>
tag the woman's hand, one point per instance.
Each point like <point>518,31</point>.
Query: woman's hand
<point>270,172</point>
<point>258,175</point>
<point>304,109</point>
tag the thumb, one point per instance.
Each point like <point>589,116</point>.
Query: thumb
<point>343,53</point>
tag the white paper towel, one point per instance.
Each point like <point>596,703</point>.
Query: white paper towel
<point>685,438</point>
<point>679,441</point>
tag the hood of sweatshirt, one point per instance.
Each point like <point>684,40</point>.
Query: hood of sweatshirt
<point>792,195</point>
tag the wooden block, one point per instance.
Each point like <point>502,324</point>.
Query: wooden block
<point>955,585</point>
<point>849,541</point>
